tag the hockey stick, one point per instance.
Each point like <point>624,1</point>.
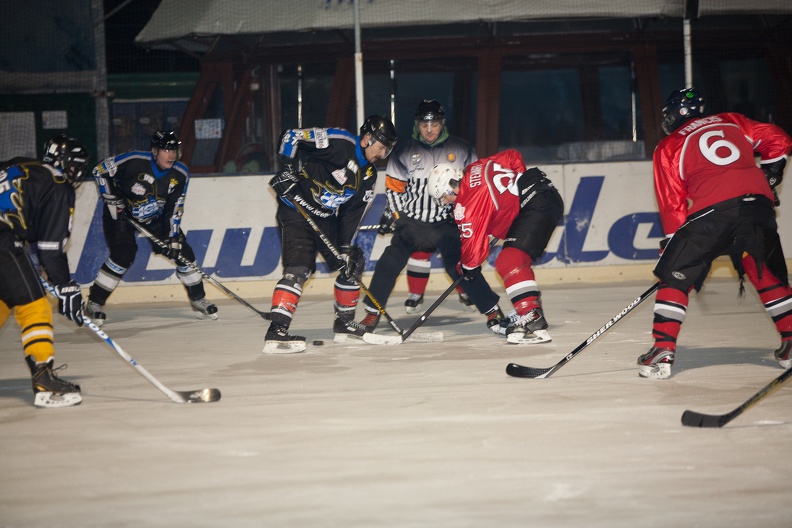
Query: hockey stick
<point>146,233</point>
<point>695,419</point>
<point>376,339</point>
<point>196,396</point>
<point>519,371</point>
<point>294,199</point>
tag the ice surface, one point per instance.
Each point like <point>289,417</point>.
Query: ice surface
<point>414,435</point>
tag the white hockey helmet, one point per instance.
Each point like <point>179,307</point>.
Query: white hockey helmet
<point>444,179</point>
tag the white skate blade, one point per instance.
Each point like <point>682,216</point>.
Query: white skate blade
<point>413,309</point>
<point>203,316</point>
<point>57,399</point>
<point>426,337</point>
<point>539,336</point>
<point>290,347</point>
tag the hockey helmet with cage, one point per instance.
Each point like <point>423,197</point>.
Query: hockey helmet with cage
<point>681,106</point>
<point>444,179</point>
<point>381,130</point>
<point>166,140</point>
<point>69,156</point>
<point>430,110</point>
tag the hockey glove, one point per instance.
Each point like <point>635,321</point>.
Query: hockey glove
<point>174,247</point>
<point>468,273</point>
<point>70,301</point>
<point>114,204</point>
<point>774,172</point>
<point>387,222</point>
<point>354,260</point>
<point>286,178</point>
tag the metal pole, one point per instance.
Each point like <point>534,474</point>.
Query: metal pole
<point>688,53</point>
<point>359,100</point>
<point>299,97</point>
<point>100,84</point>
<point>393,91</point>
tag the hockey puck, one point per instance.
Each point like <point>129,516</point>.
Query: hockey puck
<point>318,342</point>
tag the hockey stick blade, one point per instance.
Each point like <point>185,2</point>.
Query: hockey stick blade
<point>200,396</point>
<point>423,337</point>
<point>695,419</point>
<point>519,371</point>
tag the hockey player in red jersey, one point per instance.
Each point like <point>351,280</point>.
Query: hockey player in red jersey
<point>713,201</point>
<point>498,196</point>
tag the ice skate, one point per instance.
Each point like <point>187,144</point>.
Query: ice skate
<point>467,304</point>
<point>279,341</point>
<point>784,354</point>
<point>529,329</point>
<point>204,309</point>
<point>347,331</point>
<point>501,325</point>
<point>95,312</point>
<point>656,363</point>
<point>413,303</point>
<point>49,389</point>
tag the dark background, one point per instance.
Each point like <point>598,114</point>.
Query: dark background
<point>123,56</point>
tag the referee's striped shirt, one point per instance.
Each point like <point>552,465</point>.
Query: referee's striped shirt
<point>408,172</point>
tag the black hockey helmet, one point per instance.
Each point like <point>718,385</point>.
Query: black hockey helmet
<point>166,140</point>
<point>681,106</point>
<point>430,110</point>
<point>68,155</point>
<point>381,130</point>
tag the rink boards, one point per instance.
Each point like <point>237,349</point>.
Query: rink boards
<point>610,219</point>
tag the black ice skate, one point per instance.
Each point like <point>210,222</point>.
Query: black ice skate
<point>413,303</point>
<point>95,312</point>
<point>279,341</point>
<point>467,304</point>
<point>530,328</point>
<point>656,363</point>
<point>784,354</point>
<point>346,331</point>
<point>49,389</point>
<point>204,309</point>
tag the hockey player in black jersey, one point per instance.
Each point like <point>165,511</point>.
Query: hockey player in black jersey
<point>149,187</point>
<point>330,173</point>
<point>36,209</point>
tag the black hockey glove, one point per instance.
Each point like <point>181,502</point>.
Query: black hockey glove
<point>774,172</point>
<point>286,178</point>
<point>387,222</point>
<point>70,301</point>
<point>354,260</point>
<point>174,247</point>
<point>468,273</point>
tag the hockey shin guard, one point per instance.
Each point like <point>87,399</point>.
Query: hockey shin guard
<point>418,268</point>
<point>669,313</point>
<point>776,297</point>
<point>35,319</point>
<point>514,267</point>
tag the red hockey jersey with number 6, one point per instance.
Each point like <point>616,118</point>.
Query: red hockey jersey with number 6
<point>711,159</point>
<point>487,203</point>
